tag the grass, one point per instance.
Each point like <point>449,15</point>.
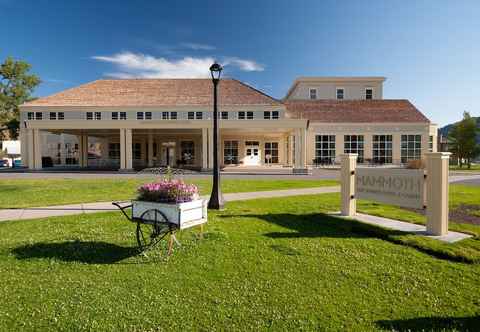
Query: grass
<point>277,264</point>
<point>44,192</point>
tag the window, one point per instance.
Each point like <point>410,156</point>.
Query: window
<point>61,116</point>
<point>38,115</point>
<point>411,148</point>
<point>382,149</point>
<point>430,143</point>
<point>354,144</point>
<point>137,151</point>
<point>340,93</point>
<point>89,115</point>
<point>271,152</point>
<point>187,149</point>
<point>224,115</point>
<point>30,115</point>
<point>199,115</point>
<point>114,115</point>
<point>98,116</point>
<point>368,93</point>
<point>245,115</point>
<point>139,115</point>
<point>324,148</point>
<point>114,150</point>
<point>313,94</point>
<point>123,115</point>
<point>53,116</point>
<point>230,152</point>
<point>148,115</point>
<point>191,115</point>
<point>267,115</point>
<point>165,116</point>
<point>173,115</point>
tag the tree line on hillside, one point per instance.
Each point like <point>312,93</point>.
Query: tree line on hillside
<point>462,140</point>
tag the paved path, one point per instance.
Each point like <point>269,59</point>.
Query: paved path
<point>70,209</point>
<point>403,226</point>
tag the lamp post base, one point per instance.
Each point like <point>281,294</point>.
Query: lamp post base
<point>216,201</point>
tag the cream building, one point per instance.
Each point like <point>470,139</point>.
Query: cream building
<point>138,123</point>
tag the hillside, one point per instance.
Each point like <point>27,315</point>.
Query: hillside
<point>444,130</point>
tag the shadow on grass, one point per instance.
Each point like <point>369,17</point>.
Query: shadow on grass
<point>432,324</point>
<point>324,225</point>
<point>77,251</point>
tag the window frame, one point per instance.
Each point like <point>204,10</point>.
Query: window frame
<point>337,89</point>
<point>123,115</point>
<point>140,115</point>
<point>354,143</point>
<point>30,115</point>
<point>98,116</point>
<point>61,116</point>
<point>89,116</point>
<point>222,117</point>
<point>410,147</point>
<point>53,116</point>
<point>326,154</point>
<point>38,115</point>
<point>310,90</point>
<point>366,94</point>
<point>382,150</point>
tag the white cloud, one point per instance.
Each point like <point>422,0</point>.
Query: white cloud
<point>139,65</point>
<point>245,65</point>
<point>198,47</point>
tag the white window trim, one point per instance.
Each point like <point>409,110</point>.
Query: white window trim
<point>336,92</point>
<point>310,93</point>
<point>365,95</point>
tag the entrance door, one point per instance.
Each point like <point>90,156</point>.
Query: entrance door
<point>168,154</point>
<point>252,154</point>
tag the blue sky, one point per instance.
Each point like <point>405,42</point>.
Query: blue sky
<point>428,50</point>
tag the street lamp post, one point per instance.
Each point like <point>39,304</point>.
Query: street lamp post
<point>216,198</point>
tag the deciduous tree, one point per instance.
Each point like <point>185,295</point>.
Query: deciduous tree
<point>16,87</point>
<point>462,140</point>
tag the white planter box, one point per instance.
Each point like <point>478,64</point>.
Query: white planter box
<point>185,215</point>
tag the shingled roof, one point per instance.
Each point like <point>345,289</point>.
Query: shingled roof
<point>156,92</point>
<point>384,110</point>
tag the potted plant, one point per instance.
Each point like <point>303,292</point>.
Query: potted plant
<point>178,201</point>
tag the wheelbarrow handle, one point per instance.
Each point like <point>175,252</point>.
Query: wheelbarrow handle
<point>123,208</point>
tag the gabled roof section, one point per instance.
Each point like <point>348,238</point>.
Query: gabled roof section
<point>332,79</point>
<point>156,92</point>
<point>361,111</point>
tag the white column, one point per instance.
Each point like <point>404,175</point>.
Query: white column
<point>128,149</point>
<point>290,150</point>
<point>437,192</point>
<point>24,146</point>
<point>210,148</point>
<point>83,150</point>
<point>298,151</point>
<point>150,150</point>
<point>30,149</point>
<point>347,177</point>
<point>122,149</point>
<point>303,145</point>
<point>37,149</point>
<point>204,148</point>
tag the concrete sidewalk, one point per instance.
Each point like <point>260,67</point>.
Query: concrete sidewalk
<point>71,209</point>
<point>404,226</point>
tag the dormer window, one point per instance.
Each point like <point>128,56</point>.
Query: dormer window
<point>313,94</point>
<point>368,93</point>
<point>224,115</point>
<point>340,93</point>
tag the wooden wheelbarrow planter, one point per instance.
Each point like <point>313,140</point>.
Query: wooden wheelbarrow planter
<point>158,221</point>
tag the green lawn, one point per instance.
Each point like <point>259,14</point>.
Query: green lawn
<point>276,264</point>
<point>43,192</point>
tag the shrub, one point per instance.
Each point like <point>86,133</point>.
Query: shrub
<point>415,164</point>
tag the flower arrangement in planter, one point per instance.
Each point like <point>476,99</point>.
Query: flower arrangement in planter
<point>168,191</point>
<point>178,201</point>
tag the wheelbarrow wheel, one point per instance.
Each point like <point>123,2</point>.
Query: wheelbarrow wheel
<point>152,227</point>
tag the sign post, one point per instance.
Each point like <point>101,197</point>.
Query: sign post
<point>347,176</point>
<point>437,192</point>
